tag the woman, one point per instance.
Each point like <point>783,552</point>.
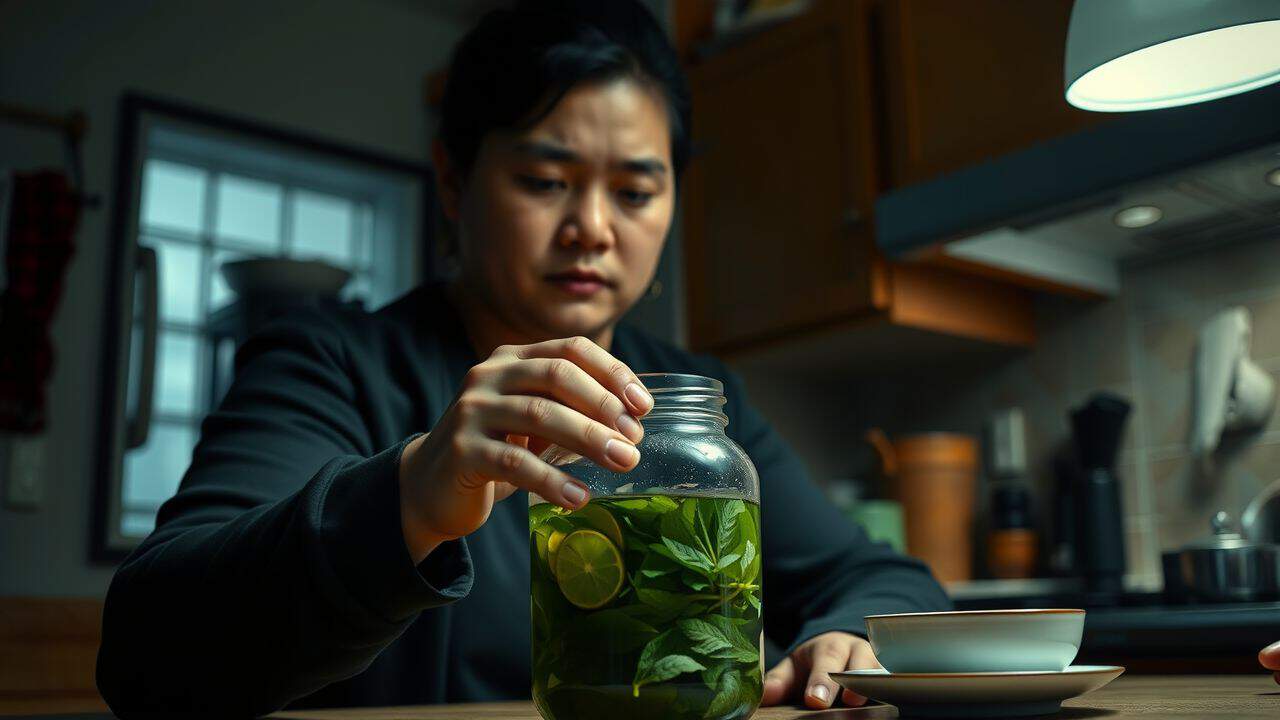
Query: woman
<point>345,534</point>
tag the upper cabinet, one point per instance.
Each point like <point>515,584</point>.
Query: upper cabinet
<point>799,127</point>
<point>779,196</point>
<point>966,81</point>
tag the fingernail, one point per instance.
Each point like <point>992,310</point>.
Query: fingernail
<point>622,453</point>
<point>639,398</point>
<point>573,493</point>
<point>821,692</point>
<point>628,426</point>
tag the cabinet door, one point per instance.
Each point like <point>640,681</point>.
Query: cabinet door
<point>973,79</point>
<point>777,200</point>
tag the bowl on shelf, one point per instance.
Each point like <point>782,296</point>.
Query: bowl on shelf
<point>284,276</point>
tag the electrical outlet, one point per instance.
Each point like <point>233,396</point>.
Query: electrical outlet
<point>24,484</point>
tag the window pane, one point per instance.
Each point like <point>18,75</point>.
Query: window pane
<point>364,254</point>
<point>173,196</point>
<point>220,293</point>
<point>357,289</point>
<point>137,524</point>
<point>249,212</point>
<point>177,357</point>
<point>153,471</point>
<point>180,272</point>
<point>322,227</point>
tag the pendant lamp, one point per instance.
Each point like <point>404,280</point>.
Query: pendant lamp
<point>1125,55</point>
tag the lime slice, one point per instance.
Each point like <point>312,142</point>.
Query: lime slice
<point>598,518</point>
<point>553,548</point>
<point>589,569</point>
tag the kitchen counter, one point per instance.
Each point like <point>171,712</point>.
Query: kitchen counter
<point>1189,697</point>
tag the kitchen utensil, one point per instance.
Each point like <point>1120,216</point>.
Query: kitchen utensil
<point>971,695</point>
<point>1064,553</point>
<point>935,481</point>
<point>1012,542</point>
<point>1230,392</point>
<point>1225,567</point>
<point>284,276</point>
<point>882,520</point>
<point>976,640</point>
<point>1260,521</point>
<point>1098,428</point>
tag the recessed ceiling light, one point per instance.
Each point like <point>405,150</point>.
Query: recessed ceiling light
<point>1138,216</point>
<point>1273,177</point>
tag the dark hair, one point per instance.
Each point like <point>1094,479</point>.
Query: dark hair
<point>516,64</point>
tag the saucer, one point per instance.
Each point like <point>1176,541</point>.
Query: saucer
<point>990,694</point>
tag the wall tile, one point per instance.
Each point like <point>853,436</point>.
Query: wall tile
<point>1265,313</point>
<point>1184,502</point>
<point>1168,288</point>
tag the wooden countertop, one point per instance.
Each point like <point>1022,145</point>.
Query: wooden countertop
<point>1185,697</point>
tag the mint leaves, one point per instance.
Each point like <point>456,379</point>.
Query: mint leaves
<point>688,615</point>
<point>713,543</point>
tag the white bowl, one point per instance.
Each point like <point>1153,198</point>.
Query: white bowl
<point>976,640</point>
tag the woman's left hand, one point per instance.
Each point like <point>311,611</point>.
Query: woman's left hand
<point>1269,657</point>
<point>804,672</point>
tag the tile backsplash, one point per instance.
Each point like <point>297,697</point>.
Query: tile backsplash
<point>1139,345</point>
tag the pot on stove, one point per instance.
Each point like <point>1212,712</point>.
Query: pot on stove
<point>1225,567</point>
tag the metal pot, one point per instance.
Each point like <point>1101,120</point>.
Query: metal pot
<point>1224,567</point>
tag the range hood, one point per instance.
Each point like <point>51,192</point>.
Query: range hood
<point>1072,211</point>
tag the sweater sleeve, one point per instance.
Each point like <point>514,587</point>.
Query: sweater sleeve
<point>821,571</point>
<point>279,567</point>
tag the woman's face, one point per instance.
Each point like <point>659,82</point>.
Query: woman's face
<point>561,225</point>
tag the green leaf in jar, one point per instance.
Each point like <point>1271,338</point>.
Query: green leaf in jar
<point>717,637</point>
<point>748,556</point>
<point>663,658</point>
<point>727,525</point>
<point>663,601</point>
<point>711,676</point>
<point>695,581</point>
<point>727,561</point>
<point>618,631</point>
<point>685,555</point>
<point>730,695</point>
<point>655,565</point>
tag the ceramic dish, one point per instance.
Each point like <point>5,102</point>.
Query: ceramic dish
<point>976,640</point>
<point>951,695</point>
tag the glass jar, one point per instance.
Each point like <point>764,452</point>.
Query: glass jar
<point>646,602</point>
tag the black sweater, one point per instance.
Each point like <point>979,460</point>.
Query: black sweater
<point>278,574</point>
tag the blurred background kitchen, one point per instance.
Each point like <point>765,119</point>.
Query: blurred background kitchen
<point>1030,343</point>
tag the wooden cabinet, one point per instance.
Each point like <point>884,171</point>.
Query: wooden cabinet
<point>798,127</point>
<point>779,195</point>
<point>965,81</point>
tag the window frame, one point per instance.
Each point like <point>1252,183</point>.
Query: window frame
<point>135,115</point>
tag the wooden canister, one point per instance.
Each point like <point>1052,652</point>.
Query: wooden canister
<point>935,484</point>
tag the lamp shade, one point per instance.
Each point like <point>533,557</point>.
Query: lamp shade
<point>1144,54</point>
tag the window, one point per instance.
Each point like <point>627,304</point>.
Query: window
<point>205,196</point>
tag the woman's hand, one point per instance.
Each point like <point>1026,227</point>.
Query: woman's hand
<point>804,672</point>
<point>1270,658</point>
<point>569,392</point>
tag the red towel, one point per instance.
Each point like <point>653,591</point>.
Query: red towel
<point>43,216</point>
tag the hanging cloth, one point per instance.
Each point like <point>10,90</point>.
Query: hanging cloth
<point>43,215</point>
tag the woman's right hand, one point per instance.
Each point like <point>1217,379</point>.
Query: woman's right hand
<point>569,392</point>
